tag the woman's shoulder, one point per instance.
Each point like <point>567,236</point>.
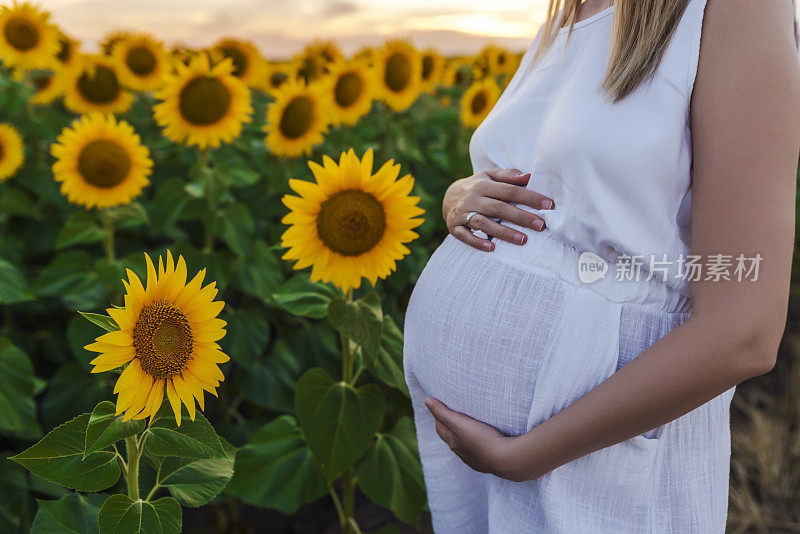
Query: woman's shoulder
<point>748,23</point>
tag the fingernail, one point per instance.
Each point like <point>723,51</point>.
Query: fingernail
<point>520,238</point>
<point>428,402</point>
<point>517,172</point>
<point>487,246</point>
<point>538,224</point>
<point>547,204</point>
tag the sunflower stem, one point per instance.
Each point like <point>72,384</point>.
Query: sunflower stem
<point>348,478</point>
<point>132,474</point>
<point>108,240</point>
<point>211,200</point>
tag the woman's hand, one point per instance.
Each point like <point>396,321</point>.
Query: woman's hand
<point>489,193</point>
<point>482,447</point>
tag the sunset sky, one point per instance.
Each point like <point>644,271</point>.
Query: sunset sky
<point>281,27</point>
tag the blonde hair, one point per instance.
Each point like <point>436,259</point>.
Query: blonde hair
<point>641,32</point>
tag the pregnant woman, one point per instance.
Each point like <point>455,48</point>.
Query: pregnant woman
<point>579,378</point>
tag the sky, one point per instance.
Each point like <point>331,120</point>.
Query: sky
<point>280,28</point>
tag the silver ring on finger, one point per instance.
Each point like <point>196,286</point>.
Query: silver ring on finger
<point>469,216</point>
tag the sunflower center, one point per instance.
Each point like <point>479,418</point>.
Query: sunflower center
<point>238,58</point>
<point>101,88</point>
<point>65,51</point>
<point>205,100</point>
<point>42,82</point>
<point>104,163</point>
<point>501,59</point>
<point>398,72</point>
<point>427,67</point>
<point>461,76</point>
<point>351,222</point>
<point>278,78</point>
<point>479,102</point>
<point>310,68</point>
<point>348,89</point>
<point>140,60</point>
<point>297,117</point>
<point>21,33</point>
<point>162,338</point>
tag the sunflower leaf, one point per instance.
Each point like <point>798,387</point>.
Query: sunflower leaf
<point>276,469</point>
<point>121,514</point>
<point>193,439</point>
<point>80,228</point>
<point>17,407</point>
<point>73,513</point>
<point>105,428</point>
<point>388,365</point>
<point>103,321</point>
<point>360,320</point>
<point>195,482</point>
<point>300,296</point>
<point>338,420</point>
<point>13,286</point>
<point>390,473</point>
<point>58,457</point>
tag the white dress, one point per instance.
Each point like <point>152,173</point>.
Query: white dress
<point>513,336</point>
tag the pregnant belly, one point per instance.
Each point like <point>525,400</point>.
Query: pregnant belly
<point>477,331</point>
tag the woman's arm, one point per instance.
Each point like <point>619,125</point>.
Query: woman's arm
<point>745,117</point>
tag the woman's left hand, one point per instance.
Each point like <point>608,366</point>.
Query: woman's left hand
<point>482,447</point>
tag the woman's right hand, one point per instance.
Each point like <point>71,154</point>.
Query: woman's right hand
<point>489,193</point>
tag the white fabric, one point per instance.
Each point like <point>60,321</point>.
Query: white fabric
<point>512,336</point>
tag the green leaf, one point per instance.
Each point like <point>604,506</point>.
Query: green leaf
<point>58,457</point>
<point>122,515</point>
<point>80,228</point>
<point>300,296</point>
<point>103,321</point>
<point>391,475</point>
<point>276,469</point>
<point>360,320</point>
<point>168,203</point>
<point>236,227</point>
<point>260,274</point>
<point>71,390</point>
<point>130,215</point>
<point>17,407</point>
<point>193,439</point>
<point>196,482</point>
<point>73,513</point>
<point>247,337</point>
<point>70,277</point>
<point>13,286</point>
<point>236,176</point>
<point>388,365</point>
<point>105,428</point>
<point>337,419</point>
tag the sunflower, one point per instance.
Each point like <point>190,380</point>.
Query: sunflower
<point>27,39</point>
<point>11,151</point>
<point>168,333</point>
<point>366,52</point>
<point>297,119</point>
<point>142,62</point>
<point>351,87</point>
<point>94,85</point>
<point>203,106</point>
<point>67,56</point>
<point>456,73</point>
<point>478,101</point>
<point>351,223</point>
<point>498,60</point>
<point>432,65</point>
<point>315,59</point>
<point>398,67</point>
<point>100,162</point>
<point>112,38</point>
<point>248,64</point>
<point>274,75</point>
<point>48,87</point>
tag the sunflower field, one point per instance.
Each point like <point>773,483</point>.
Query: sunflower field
<point>186,342</point>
